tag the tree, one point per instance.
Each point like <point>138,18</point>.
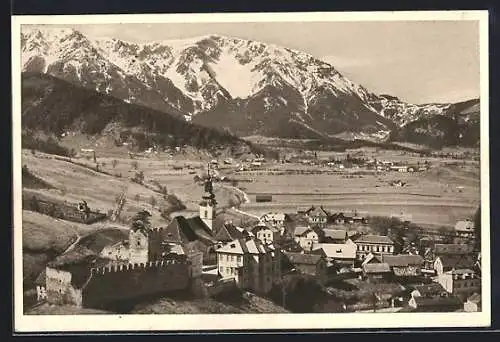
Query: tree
<point>138,177</point>
<point>141,220</point>
<point>152,201</point>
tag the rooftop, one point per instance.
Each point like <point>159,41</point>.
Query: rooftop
<point>300,230</point>
<point>376,268</point>
<point>303,258</point>
<point>336,234</point>
<point>402,260</point>
<point>245,246</point>
<point>430,289</point>
<point>376,239</point>
<point>337,251</point>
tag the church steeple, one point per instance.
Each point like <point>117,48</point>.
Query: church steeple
<point>208,202</point>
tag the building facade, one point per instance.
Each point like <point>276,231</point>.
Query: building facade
<point>306,237</point>
<point>254,265</point>
<point>375,244</point>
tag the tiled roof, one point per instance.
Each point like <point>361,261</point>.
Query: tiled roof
<point>368,238</point>
<point>245,246</point>
<point>457,261</point>
<point>438,301</point>
<point>337,251</point>
<point>403,260</point>
<point>376,268</point>
<point>301,230</point>
<point>303,258</point>
<point>441,249</point>
<point>429,289</point>
<point>317,211</point>
<point>336,234</point>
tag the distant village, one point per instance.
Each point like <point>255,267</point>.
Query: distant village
<point>207,255</point>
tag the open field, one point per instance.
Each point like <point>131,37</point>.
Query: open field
<point>439,196</point>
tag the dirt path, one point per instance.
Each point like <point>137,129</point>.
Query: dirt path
<point>72,246</point>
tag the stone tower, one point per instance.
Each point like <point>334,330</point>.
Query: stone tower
<point>138,239</point>
<point>208,203</point>
<point>138,246</point>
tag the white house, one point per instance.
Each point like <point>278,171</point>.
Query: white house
<point>306,237</point>
<point>254,265</point>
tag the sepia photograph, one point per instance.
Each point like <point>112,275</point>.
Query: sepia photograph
<point>251,171</point>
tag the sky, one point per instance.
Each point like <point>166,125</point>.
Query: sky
<point>417,61</point>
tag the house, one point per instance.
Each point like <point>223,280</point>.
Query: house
<point>342,255</point>
<point>376,271</point>
<point>275,219</point>
<point>335,236</point>
<point>451,262</point>
<point>376,244</point>
<point>473,303</point>
<point>404,265</point>
<point>317,216</point>
<point>461,282</point>
<point>254,265</point>
<point>308,263</point>
<point>465,228</point>
<point>266,233</point>
<point>306,237</point>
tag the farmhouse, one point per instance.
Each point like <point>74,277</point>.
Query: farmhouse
<point>376,244</point>
<point>254,265</point>
<point>306,263</point>
<point>306,237</point>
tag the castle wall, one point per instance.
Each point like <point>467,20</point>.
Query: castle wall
<point>112,284</point>
<point>155,248</point>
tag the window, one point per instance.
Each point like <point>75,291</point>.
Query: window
<point>206,214</point>
<point>239,258</point>
<point>228,270</point>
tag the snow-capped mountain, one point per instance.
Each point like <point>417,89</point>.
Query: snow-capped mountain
<point>242,86</point>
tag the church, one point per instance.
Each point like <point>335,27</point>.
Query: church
<point>206,231</point>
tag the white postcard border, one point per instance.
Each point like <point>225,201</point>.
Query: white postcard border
<point>75,323</point>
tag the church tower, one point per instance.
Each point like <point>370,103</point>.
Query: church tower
<point>208,203</point>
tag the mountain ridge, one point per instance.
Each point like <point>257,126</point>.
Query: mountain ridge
<point>245,85</point>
